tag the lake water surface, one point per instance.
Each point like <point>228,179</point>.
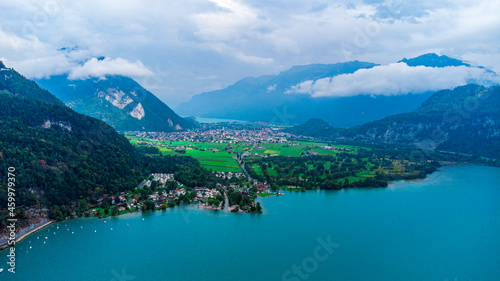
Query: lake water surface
<point>446,227</point>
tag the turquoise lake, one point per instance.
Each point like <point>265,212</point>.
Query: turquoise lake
<point>446,227</point>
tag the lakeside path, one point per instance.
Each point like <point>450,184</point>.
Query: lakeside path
<point>34,230</point>
<point>28,234</point>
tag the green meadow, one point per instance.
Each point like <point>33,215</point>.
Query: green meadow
<point>221,160</point>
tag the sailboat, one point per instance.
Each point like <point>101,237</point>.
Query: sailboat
<point>127,224</point>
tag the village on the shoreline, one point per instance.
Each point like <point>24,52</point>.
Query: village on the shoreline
<point>162,191</point>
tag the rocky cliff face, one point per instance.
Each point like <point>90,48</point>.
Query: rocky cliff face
<point>119,101</point>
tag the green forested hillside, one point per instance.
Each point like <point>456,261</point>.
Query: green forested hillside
<point>13,82</point>
<point>314,127</point>
<point>61,156</point>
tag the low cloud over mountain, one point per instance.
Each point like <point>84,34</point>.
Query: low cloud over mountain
<point>395,79</point>
<point>100,67</point>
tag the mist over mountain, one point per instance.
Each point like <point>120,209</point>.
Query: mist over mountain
<point>342,94</point>
<point>117,100</point>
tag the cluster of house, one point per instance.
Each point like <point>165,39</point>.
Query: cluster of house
<point>165,196</point>
<point>261,186</point>
<point>229,175</point>
<point>203,194</point>
<point>160,178</point>
<point>161,197</point>
<point>333,148</point>
<point>118,200</point>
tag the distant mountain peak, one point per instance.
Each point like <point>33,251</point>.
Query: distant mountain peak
<point>433,60</point>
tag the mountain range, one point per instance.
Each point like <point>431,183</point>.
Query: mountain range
<point>117,100</point>
<point>463,120</point>
<point>270,99</point>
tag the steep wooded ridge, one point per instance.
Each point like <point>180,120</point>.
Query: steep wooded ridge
<point>465,120</point>
<point>16,84</point>
<point>117,100</point>
<point>61,156</point>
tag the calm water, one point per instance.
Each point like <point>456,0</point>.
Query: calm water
<point>446,227</point>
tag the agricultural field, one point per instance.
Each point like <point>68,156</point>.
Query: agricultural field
<point>220,161</point>
<point>299,148</point>
<point>287,163</point>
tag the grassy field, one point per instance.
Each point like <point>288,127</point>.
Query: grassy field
<point>222,161</point>
<point>257,169</point>
<point>215,161</point>
<point>366,174</point>
<point>264,194</point>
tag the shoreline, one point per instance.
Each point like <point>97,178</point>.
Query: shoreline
<point>210,207</point>
<point>228,208</point>
<point>28,234</point>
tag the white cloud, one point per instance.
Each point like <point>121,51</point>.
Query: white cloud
<point>394,79</point>
<point>41,67</point>
<point>107,66</point>
<point>253,59</point>
<point>271,88</point>
<point>232,39</point>
<point>225,23</point>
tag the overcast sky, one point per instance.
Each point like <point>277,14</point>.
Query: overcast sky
<point>177,49</point>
